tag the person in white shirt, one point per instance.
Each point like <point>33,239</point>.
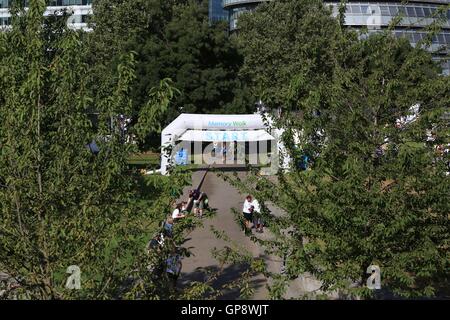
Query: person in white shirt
<point>255,203</point>
<point>177,212</point>
<point>247,212</point>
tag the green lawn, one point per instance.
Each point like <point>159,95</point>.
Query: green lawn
<point>145,160</point>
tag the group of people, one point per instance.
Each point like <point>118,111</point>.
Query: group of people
<point>224,148</point>
<point>172,265</point>
<point>252,215</point>
<point>199,202</point>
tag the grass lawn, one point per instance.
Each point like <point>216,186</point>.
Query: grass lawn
<point>145,160</point>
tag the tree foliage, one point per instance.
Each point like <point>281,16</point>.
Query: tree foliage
<point>172,39</point>
<point>62,204</point>
<point>376,192</point>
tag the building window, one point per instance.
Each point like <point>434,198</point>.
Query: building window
<point>411,12</point>
<point>420,12</point>
<point>3,3</point>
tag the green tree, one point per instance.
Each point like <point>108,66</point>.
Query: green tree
<point>202,60</point>
<point>300,37</point>
<point>376,191</point>
<point>61,203</point>
<point>172,39</point>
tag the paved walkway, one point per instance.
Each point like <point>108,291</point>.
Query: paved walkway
<point>223,197</point>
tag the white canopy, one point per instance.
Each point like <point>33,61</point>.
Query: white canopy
<point>226,135</point>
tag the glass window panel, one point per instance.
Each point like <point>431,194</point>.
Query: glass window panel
<point>407,21</point>
<point>411,12</point>
<point>410,36</point>
<point>393,10</point>
<point>426,12</point>
<point>384,10</point>
<point>386,20</point>
<point>447,38</point>
<point>420,12</point>
<point>356,9</point>
<point>364,9</point>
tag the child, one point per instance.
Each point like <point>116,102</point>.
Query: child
<point>177,213</point>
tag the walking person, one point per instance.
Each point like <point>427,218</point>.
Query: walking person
<point>257,218</point>
<point>214,149</point>
<point>247,212</point>
<point>224,152</point>
<point>202,204</point>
